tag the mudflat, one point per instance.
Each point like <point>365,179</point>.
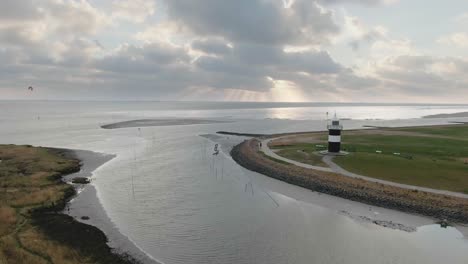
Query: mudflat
<point>160,122</point>
<point>460,114</point>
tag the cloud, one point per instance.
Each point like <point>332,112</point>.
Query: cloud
<point>14,10</point>
<point>164,31</point>
<point>426,75</point>
<point>248,67</point>
<point>42,23</point>
<point>361,2</point>
<point>211,46</point>
<point>462,19</point>
<point>146,59</point>
<point>210,49</point>
<point>255,63</point>
<point>459,39</point>
<point>349,80</point>
<point>74,17</point>
<point>234,54</point>
<point>255,21</point>
<point>136,11</point>
<point>357,34</point>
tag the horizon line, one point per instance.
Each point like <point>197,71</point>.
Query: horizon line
<point>220,101</point>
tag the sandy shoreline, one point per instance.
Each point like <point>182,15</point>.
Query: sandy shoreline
<point>86,203</point>
<point>460,114</point>
<point>435,206</point>
<point>160,122</point>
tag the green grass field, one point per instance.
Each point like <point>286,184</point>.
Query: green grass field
<point>450,131</point>
<point>437,160</point>
<point>305,153</point>
<point>434,157</point>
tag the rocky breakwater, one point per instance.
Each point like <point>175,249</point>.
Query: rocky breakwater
<point>442,207</point>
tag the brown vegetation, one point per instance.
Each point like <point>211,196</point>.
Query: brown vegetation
<point>31,194</point>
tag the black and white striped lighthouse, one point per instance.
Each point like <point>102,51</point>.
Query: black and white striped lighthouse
<point>334,135</point>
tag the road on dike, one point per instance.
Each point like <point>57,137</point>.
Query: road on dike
<point>333,167</point>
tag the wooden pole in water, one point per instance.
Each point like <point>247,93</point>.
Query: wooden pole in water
<point>133,173</point>
<point>222,169</point>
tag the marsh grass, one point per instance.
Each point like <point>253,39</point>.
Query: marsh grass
<point>31,193</point>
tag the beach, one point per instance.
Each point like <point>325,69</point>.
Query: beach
<point>459,114</point>
<point>160,122</point>
<point>37,183</point>
<point>86,204</point>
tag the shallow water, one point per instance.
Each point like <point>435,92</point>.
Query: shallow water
<point>180,204</point>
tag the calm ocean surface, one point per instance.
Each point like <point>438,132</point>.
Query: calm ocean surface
<point>180,204</point>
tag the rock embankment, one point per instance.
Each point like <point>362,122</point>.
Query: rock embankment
<point>433,205</point>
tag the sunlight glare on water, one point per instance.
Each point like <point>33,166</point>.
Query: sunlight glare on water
<point>180,204</point>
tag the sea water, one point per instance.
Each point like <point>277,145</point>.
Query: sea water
<point>176,201</point>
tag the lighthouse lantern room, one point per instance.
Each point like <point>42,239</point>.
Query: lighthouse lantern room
<point>334,135</point>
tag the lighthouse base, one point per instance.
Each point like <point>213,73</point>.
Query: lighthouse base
<point>326,152</point>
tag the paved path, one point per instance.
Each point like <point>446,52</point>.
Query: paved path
<point>265,149</point>
<point>333,167</point>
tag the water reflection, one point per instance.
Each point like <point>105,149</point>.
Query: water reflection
<point>168,193</point>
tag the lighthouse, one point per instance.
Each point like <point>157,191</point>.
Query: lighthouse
<point>334,135</point>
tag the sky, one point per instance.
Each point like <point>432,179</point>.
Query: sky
<point>408,51</point>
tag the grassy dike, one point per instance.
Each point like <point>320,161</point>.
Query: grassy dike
<point>433,205</point>
<point>32,195</point>
<point>433,156</point>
